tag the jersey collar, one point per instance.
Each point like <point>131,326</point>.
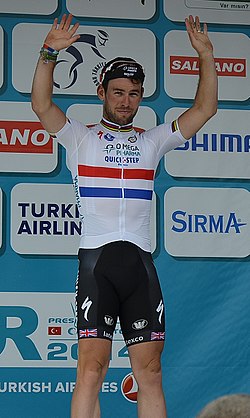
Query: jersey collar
<point>114,127</point>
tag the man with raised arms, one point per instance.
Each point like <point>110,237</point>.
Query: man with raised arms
<point>117,277</point>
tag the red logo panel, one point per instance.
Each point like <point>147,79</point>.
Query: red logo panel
<point>234,67</point>
<point>24,137</point>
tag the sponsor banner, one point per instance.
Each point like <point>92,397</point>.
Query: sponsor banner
<point>32,336</point>
<point>220,149</point>
<point>119,9</point>
<point>206,222</point>
<point>91,113</point>
<point>1,218</point>
<point>54,386</point>
<point>1,55</point>
<point>28,6</point>
<point>231,51</point>
<point>24,144</point>
<point>214,11</point>
<point>45,219</point>
<point>78,67</point>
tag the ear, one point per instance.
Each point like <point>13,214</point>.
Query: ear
<point>101,92</point>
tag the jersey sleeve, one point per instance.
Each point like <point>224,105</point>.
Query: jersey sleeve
<point>166,137</point>
<point>71,135</point>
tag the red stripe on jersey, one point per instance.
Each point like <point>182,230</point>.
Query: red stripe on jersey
<point>115,173</point>
<point>91,171</point>
<point>138,173</point>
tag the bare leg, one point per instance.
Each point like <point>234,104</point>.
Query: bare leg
<point>146,365</point>
<point>93,361</point>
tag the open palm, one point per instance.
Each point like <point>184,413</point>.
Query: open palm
<point>62,34</point>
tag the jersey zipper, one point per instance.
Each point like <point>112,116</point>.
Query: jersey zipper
<point>123,203</point>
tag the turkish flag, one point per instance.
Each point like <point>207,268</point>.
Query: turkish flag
<point>54,330</point>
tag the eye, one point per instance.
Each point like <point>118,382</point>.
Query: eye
<point>134,94</point>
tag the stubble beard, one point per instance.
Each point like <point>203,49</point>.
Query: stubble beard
<point>119,120</point>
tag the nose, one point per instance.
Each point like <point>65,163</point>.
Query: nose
<point>126,100</point>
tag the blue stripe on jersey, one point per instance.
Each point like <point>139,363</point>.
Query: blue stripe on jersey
<point>100,192</point>
<point>138,194</point>
<point>115,192</point>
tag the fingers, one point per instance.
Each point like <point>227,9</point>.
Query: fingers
<point>68,22</point>
<point>197,24</point>
<point>65,23</point>
<point>54,26</point>
<point>194,25</point>
<point>74,29</point>
<point>62,23</point>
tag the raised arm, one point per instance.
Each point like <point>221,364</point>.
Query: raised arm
<point>206,98</point>
<point>59,37</point>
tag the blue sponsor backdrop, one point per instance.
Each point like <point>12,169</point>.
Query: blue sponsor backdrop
<point>207,350</point>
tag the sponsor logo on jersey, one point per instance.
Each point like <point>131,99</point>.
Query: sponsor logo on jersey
<point>107,335</point>
<point>159,310</point>
<point>109,137</point>
<point>86,307</point>
<point>109,320</point>
<point>140,324</point>
<point>134,340</point>
<point>132,139</point>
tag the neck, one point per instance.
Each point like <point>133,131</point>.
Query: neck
<point>115,127</point>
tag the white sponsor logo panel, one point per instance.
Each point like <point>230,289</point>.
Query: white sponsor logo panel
<point>220,149</point>
<point>45,219</point>
<point>214,11</point>
<point>119,9</point>
<point>32,336</point>
<point>1,218</point>
<point>1,55</point>
<point>24,145</point>
<point>206,222</point>
<point>78,67</point>
<point>28,6</point>
<point>231,51</point>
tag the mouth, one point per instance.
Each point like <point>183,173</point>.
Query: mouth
<point>124,111</point>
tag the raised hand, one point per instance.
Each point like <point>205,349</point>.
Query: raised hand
<point>198,37</point>
<point>61,34</point>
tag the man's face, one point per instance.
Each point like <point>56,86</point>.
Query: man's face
<point>121,100</point>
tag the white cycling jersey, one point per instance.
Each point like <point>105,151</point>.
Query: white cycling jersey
<point>113,172</point>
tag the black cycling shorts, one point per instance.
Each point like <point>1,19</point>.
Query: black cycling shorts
<point>119,280</point>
